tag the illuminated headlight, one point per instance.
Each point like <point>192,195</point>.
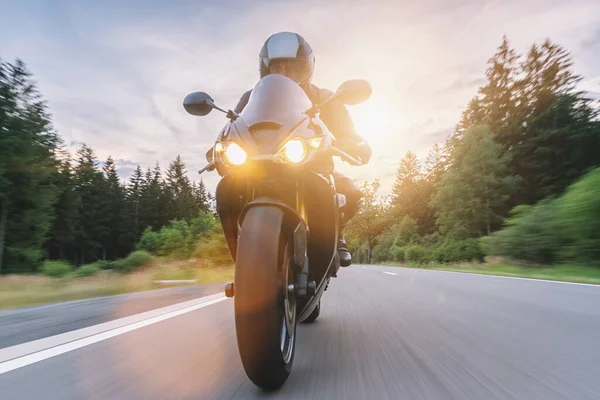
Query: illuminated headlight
<point>233,153</point>
<point>315,142</point>
<point>294,151</point>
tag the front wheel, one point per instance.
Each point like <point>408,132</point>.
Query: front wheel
<point>265,310</point>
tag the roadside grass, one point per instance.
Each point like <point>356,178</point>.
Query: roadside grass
<point>30,290</point>
<point>564,273</point>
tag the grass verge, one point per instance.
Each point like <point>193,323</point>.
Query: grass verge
<point>563,273</point>
<point>30,290</point>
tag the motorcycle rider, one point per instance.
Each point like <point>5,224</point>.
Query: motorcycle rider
<point>289,54</point>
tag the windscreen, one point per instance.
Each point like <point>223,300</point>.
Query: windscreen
<point>275,98</point>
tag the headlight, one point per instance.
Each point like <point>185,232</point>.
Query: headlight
<point>316,142</point>
<point>234,154</point>
<point>294,151</point>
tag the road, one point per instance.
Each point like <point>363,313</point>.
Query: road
<point>384,333</point>
<point>28,324</point>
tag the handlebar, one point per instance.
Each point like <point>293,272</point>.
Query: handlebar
<point>346,157</point>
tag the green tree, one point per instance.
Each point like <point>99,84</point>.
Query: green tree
<point>471,197</point>
<point>530,234</point>
<point>93,224</point>
<point>367,224</point>
<point>179,190</point>
<point>201,196</point>
<point>555,229</point>
<point>496,102</point>
<point>155,200</point>
<point>531,104</point>
<point>113,205</point>
<point>66,210</point>
<point>407,195</point>
<point>578,220</point>
<point>28,167</point>
<point>435,164</point>
<point>561,137</point>
<point>133,195</point>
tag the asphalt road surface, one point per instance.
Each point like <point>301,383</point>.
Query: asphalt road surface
<point>383,333</point>
<point>27,324</point>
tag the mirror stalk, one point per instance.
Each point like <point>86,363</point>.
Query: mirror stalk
<point>209,167</point>
<point>311,112</point>
<point>232,115</point>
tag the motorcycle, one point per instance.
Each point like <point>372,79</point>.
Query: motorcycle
<point>280,212</point>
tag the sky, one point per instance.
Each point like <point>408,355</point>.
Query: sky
<point>115,73</point>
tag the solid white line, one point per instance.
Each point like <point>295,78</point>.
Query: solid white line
<point>390,273</point>
<point>500,276</point>
<point>19,350</point>
<point>29,359</point>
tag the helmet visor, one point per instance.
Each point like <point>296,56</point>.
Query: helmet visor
<point>297,69</point>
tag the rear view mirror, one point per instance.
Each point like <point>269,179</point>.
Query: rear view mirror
<point>354,92</point>
<point>198,103</point>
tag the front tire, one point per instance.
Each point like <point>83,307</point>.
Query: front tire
<point>265,311</point>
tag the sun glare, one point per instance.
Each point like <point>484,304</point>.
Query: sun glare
<point>371,122</point>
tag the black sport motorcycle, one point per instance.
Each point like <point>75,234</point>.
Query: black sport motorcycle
<point>280,213</point>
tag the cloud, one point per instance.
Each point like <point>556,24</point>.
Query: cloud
<point>591,42</point>
<point>75,143</point>
<point>466,84</point>
<point>115,73</point>
<point>125,168</point>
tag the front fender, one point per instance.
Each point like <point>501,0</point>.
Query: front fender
<point>292,219</point>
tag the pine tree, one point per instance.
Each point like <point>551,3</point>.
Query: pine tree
<point>180,192</point>
<point>498,97</point>
<point>407,195</point>
<point>66,210</point>
<point>496,102</point>
<point>28,168</point>
<point>93,223</point>
<point>561,138</point>
<point>435,164</point>
<point>201,196</point>
<point>134,195</point>
<point>112,204</point>
<point>155,201</point>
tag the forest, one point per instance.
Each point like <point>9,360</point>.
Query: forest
<point>77,209</point>
<point>516,179</point>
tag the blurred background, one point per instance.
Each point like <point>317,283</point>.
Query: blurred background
<point>483,122</point>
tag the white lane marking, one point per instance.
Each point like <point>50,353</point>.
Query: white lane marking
<point>54,351</point>
<point>390,273</point>
<point>169,281</point>
<point>500,276</point>
<point>23,349</point>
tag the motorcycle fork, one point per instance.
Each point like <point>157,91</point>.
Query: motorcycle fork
<point>303,286</point>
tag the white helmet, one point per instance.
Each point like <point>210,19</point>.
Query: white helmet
<point>289,54</point>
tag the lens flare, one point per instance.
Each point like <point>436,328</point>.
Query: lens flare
<point>295,151</point>
<point>234,154</point>
<point>315,142</point>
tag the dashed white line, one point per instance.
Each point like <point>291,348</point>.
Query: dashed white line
<point>389,273</point>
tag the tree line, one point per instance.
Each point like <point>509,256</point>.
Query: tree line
<point>515,178</point>
<point>524,138</point>
<point>55,206</point>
